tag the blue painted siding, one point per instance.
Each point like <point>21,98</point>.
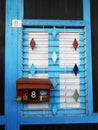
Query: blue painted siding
<point>16,66</point>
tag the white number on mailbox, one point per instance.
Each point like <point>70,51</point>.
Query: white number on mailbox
<point>33,94</point>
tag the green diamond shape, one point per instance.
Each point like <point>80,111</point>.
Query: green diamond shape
<point>76,95</point>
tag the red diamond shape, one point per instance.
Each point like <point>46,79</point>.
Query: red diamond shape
<point>75,44</point>
<point>32,43</point>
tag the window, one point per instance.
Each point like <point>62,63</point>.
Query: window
<point>53,9</point>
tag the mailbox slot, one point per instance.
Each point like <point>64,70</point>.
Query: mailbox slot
<point>33,90</point>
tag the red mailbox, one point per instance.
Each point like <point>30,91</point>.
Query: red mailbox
<point>33,90</point>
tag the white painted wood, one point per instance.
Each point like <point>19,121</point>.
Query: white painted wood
<point>39,75</point>
<point>68,63</point>
<point>37,49</point>
<point>68,55</point>
<point>37,105</point>
<point>68,84</point>
<point>40,106</point>
<point>63,92</point>
<point>37,63</point>
<point>39,55</point>
<point>68,50</point>
<point>72,106</point>
<point>72,76</point>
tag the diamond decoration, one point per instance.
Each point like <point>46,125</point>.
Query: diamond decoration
<point>32,44</point>
<point>54,109</point>
<point>75,69</point>
<point>76,95</point>
<point>54,57</point>
<point>75,44</point>
<point>54,82</point>
<point>54,31</point>
<point>32,69</point>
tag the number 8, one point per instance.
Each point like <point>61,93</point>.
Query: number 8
<point>33,94</point>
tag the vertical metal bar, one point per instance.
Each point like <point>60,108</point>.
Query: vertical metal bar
<point>20,15</point>
<point>86,16</point>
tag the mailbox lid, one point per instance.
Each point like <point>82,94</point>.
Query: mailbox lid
<point>24,83</point>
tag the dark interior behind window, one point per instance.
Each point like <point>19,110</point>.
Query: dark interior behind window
<point>2,47</point>
<point>60,127</point>
<point>94,27</point>
<point>53,9</point>
<point>2,127</point>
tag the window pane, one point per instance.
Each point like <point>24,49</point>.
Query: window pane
<point>94,25</point>
<point>53,9</point>
<point>2,127</point>
<point>2,46</point>
<point>60,127</point>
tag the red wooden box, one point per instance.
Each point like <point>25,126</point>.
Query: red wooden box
<point>33,90</point>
